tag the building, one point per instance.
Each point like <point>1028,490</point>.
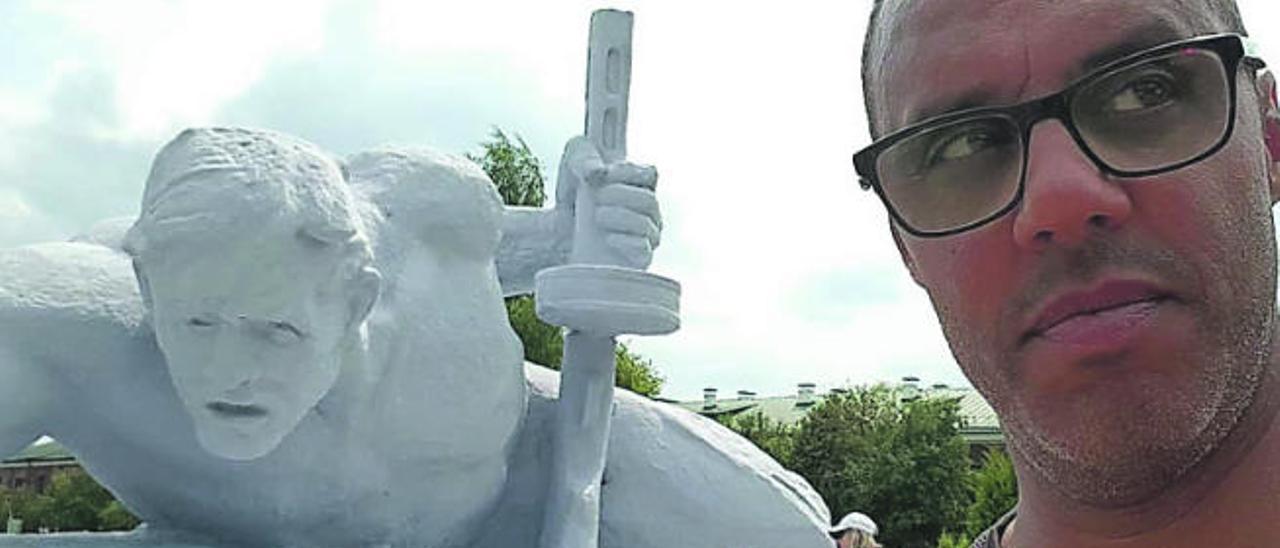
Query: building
<point>33,468</point>
<point>981,428</point>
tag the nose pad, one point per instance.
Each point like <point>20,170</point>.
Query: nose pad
<point>1066,197</point>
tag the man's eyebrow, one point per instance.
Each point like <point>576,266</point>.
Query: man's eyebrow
<point>970,99</point>
<point>1154,34</point>
<point>1148,36</point>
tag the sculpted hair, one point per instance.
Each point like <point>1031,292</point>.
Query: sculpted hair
<point>212,185</point>
<point>1226,10</point>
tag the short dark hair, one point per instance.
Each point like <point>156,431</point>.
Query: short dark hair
<point>1225,9</point>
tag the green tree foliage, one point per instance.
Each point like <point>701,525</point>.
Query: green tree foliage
<point>543,343</point>
<point>514,169</point>
<point>15,503</point>
<point>995,492</point>
<point>958,540</point>
<point>115,517</point>
<point>902,462</point>
<point>773,437</point>
<point>73,502</point>
<point>517,174</point>
<point>636,373</point>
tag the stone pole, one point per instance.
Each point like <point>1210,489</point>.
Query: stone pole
<point>597,296</point>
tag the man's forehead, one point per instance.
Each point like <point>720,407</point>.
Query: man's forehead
<point>937,56</point>
<point>276,258</point>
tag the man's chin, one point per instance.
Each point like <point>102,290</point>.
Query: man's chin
<point>1115,447</point>
<point>232,442</point>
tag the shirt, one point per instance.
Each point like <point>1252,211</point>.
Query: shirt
<point>991,537</point>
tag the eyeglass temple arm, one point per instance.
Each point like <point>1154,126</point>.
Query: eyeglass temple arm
<point>1253,55</point>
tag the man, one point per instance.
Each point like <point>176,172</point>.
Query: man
<point>297,352</point>
<point>1084,189</point>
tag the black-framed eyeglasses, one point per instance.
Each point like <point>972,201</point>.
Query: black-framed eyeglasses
<point>1148,113</point>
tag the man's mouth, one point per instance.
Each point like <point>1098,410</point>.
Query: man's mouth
<point>1115,304</point>
<point>236,411</point>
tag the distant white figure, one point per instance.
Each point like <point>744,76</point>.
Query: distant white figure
<point>285,350</point>
<point>855,530</point>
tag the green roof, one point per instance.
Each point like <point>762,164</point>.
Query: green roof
<point>981,423</point>
<point>40,451</point>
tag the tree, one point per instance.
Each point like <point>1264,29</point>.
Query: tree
<point>73,502</point>
<point>543,342</point>
<point>773,437</point>
<point>513,168</point>
<point>958,540</point>
<point>995,492</point>
<point>901,461</point>
<point>636,373</point>
<point>517,174</point>
<point>18,504</point>
<point>115,517</point>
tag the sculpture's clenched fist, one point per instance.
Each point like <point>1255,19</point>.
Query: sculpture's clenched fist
<point>626,206</point>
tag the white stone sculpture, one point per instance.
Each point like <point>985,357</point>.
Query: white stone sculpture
<point>319,356</point>
<point>285,349</point>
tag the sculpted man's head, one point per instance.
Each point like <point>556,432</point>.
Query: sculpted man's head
<point>1111,292</point>
<point>257,277</point>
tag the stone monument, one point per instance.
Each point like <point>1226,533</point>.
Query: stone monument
<point>289,349</point>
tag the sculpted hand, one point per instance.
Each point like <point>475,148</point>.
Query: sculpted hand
<point>626,214</point>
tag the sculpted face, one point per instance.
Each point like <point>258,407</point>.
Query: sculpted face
<point>1109,406</point>
<point>254,332</point>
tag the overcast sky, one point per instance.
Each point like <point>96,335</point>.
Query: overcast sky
<point>749,110</point>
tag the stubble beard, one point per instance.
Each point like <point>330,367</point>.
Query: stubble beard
<point>1119,446</point>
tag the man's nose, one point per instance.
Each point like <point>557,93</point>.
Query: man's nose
<point>234,365</point>
<point>1066,198</point>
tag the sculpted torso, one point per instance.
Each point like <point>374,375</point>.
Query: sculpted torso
<point>303,363</point>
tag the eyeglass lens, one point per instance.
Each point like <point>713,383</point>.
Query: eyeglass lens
<point>1150,115</point>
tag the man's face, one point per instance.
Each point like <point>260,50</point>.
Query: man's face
<point>252,334</point>
<point>1118,326</point>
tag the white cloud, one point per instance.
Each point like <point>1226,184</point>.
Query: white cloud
<point>176,62</point>
<point>22,223</point>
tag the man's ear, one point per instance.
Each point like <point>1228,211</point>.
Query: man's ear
<point>363,291</point>
<point>907,259</point>
<point>1266,84</point>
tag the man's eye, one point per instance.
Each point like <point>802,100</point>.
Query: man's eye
<point>284,332</point>
<point>200,322</point>
<point>1144,93</point>
<point>961,145</point>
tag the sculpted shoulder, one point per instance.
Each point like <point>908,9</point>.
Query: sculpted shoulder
<point>670,472</point>
<point>443,200</point>
<point>61,285</point>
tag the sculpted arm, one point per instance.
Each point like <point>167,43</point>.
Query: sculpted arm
<point>532,239</point>
<point>626,211</point>
<point>69,317</point>
<point>25,393</point>
<point>24,400</point>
